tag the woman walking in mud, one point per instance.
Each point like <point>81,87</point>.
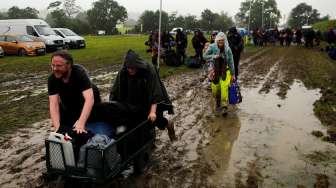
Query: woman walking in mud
<point>221,71</point>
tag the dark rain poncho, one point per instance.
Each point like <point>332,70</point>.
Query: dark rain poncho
<point>140,91</point>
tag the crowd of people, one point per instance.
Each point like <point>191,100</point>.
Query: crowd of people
<point>286,37</point>
<point>220,54</point>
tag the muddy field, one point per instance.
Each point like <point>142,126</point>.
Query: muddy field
<point>266,141</point>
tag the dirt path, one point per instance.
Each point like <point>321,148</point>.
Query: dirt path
<point>264,142</point>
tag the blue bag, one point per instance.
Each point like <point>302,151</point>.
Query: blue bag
<point>234,93</point>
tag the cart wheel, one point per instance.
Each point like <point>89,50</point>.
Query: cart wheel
<point>59,182</point>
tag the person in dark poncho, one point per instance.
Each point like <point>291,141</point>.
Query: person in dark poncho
<point>198,42</point>
<point>140,89</point>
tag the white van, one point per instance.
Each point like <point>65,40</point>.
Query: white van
<point>34,27</point>
<point>71,39</point>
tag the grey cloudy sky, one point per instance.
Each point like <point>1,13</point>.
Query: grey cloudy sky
<point>184,7</point>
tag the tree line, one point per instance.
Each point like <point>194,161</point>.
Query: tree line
<point>105,14</point>
<point>209,21</point>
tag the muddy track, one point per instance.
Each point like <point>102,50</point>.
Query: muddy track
<point>248,148</point>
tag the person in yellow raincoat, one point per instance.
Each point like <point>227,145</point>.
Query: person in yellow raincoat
<point>221,70</point>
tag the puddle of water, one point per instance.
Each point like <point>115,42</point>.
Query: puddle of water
<point>273,133</point>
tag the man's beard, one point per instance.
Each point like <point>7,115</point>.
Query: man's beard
<point>61,75</point>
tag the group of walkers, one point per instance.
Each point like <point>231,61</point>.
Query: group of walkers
<point>220,54</point>
<point>286,37</point>
<point>171,57</point>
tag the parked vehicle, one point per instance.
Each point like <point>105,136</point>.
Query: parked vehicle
<point>71,39</point>
<point>2,53</point>
<point>34,27</point>
<point>21,45</point>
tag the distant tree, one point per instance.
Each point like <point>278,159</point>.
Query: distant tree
<point>105,14</point>
<point>175,21</point>
<point>146,20</point>
<point>3,15</point>
<point>191,22</point>
<point>150,21</point>
<point>81,24</point>
<point>179,22</point>
<point>208,19</point>
<point>70,8</point>
<point>58,18</point>
<point>17,13</point>
<point>261,12</point>
<point>303,14</point>
<point>222,22</point>
<point>171,20</point>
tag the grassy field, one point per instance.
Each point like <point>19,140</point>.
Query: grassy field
<point>101,51</point>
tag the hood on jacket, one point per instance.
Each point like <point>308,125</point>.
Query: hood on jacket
<point>222,36</point>
<point>233,30</point>
<point>133,60</point>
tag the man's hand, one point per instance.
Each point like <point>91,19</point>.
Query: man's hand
<point>152,116</point>
<point>79,128</point>
<point>55,129</point>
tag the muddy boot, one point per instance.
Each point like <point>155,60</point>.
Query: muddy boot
<point>224,111</point>
<point>171,131</point>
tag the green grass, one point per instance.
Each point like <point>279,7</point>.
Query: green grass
<point>101,51</point>
<point>325,25</point>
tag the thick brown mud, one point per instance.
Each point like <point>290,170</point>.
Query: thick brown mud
<point>266,141</point>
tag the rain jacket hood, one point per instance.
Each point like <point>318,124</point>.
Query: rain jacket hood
<point>141,90</point>
<point>133,60</point>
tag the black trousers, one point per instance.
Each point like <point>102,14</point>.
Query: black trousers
<point>199,53</point>
<point>236,59</point>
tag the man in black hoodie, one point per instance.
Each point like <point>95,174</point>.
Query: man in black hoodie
<point>140,89</point>
<point>181,45</point>
<point>198,42</point>
<point>236,44</point>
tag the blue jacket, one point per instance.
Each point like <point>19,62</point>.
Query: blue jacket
<point>213,50</point>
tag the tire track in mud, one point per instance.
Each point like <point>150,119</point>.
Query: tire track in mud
<point>178,164</point>
<point>266,69</point>
<point>23,156</point>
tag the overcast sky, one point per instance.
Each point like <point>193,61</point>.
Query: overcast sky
<point>184,7</point>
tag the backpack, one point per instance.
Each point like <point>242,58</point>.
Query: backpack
<point>332,53</point>
<point>193,62</point>
<point>171,58</point>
